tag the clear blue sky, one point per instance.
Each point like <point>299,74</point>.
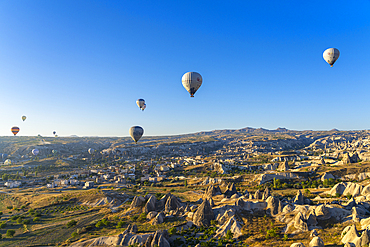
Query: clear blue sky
<point>77,67</point>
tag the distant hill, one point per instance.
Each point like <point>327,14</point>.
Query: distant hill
<point>244,130</point>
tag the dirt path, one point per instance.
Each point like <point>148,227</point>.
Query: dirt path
<point>63,222</point>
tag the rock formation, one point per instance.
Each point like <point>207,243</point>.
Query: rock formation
<point>204,214</point>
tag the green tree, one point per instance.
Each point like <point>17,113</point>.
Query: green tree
<point>26,222</point>
<point>229,235</point>
<point>2,225</point>
<point>5,177</point>
<point>71,223</point>
<point>10,233</point>
<point>120,224</point>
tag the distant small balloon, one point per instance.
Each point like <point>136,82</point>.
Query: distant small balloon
<point>91,150</point>
<point>54,132</point>
<point>191,82</point>
<point>7,162</point>
<point>15,130</point>
<point>136,132</point>
<point>54,151</point>
<point>141,103</point>
<point>24,118</point>
<point>331,55</point>
<point>35,151</point>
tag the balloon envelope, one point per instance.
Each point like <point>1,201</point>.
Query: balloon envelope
<point>15,130</point>
<point>140,103</point>
<point>91,150</point>
<point>54,132</point>
<point>54,151</point>
<point>136,132</point>
<point>331,55</point>
<point>7,162</point>
<point>24,118</point>
<point>191,82</point>
<point>35,151</point>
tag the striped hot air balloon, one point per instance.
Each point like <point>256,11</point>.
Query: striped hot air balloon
<point>15,130</point>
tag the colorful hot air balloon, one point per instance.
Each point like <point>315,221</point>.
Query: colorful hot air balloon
<point>331,55</point>
<point>192,82</point>
<point>35,151</point>
<point>91,150</point>
<point>15,130</point>
<point>7,162</point>
<point>54,151</point>
<point>141,103</point>
<point>24,118</point>
<point>143,108</point>
<point>136,132</point>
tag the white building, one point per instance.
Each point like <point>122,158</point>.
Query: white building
<point>13,184</point>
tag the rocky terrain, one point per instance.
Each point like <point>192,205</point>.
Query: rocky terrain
<point>247,187</point>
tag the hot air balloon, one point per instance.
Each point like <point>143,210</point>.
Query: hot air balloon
<point>24,118</point>
<point>91,150</point>
<point>35,151</point>
<point>54,132</point>
<point>7,162</point>
<point>192,82</point>
<point>140,103</point>
<point>136,132</point>
<point>54,151</point>
<point>143,108</point>
<point>331,55</point>
<point>15,130</point>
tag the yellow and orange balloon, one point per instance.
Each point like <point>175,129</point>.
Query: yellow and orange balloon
<point>15,130</point>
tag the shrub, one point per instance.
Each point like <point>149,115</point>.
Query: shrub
<point>9,207</point>
<point>19,220</point>
<point>26,222</point>
<point>142,217</point>
<point>99,224</point>
<point>74,234</point>
<point>105,222</point>
<point>71,223</point>
<point>120,224</point>
<point>285,238</point>
<point>10,233</point>
<point>14,218</point>
<point>2,225</point>
<point>229,235</point>
<point>172,231</point>
<point>36,219</point>
<point>271,233</point>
